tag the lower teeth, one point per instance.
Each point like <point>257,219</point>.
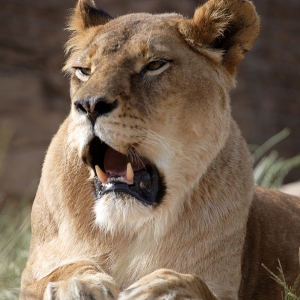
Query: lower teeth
<point>116,179</point>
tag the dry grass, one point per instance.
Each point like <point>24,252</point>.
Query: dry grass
<point>290,292</point>
<point>15,231</point>
<point>15,236</point>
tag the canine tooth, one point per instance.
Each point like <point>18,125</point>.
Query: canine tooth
<point>101,175</point>
<point>129,173</point>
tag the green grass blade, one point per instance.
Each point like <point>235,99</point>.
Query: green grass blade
<point>260,151</point>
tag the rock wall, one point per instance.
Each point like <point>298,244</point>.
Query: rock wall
<point>34,93</point>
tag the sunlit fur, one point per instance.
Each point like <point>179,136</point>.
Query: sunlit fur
<point>202,240</point>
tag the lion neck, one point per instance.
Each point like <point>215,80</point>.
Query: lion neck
<point>213,219</point>
<point>228,181</point>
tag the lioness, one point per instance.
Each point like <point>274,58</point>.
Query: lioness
<point>147,189</point>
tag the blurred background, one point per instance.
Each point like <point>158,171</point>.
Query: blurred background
<point>35,94</point>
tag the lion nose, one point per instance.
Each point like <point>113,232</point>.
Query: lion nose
<point>94,107</point>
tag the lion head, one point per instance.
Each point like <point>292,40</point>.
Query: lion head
<point>150,107</point>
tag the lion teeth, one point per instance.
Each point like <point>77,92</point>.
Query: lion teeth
<point>101,175</point>
<point>105,178</point>
<point>129,173</point>
<point>115,179</point>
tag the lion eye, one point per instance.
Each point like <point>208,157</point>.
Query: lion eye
<point>155,65</point>
<point>83,74</point>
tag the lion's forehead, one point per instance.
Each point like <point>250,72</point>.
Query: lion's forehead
<point>136,32</point>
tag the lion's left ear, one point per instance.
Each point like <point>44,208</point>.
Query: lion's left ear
<point>228,25</point>
<point>86,15</point>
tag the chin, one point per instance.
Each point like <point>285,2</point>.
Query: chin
<point>120,213</point>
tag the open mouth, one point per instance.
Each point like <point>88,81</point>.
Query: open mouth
<point>121,174</point>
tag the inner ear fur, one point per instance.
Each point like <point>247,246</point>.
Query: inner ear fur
<point>230,26</point>
<point>86,15</point>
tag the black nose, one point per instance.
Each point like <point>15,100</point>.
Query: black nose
<point>95,107</point>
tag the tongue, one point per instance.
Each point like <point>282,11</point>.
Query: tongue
<point>115,163</point>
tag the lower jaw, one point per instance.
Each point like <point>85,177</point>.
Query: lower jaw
<point>147,195</point>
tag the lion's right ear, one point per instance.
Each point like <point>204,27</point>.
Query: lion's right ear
<point>86,15</point>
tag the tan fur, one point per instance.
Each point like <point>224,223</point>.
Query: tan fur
<point>213,229</point>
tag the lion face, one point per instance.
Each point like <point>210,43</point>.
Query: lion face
<point>144,98</point>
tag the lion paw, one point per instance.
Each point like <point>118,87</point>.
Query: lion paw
<point>167,285</point>
<point>83,287</point>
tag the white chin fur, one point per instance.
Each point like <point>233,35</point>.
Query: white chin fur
<point>121,214</point>
<point>127,216</point>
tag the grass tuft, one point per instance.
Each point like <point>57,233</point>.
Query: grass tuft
<point>270,170</point>
<point>15,237</point>
<point>290,292</point>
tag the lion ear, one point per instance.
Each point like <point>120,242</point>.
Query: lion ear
<point>231,26</point>
<point>86,15</point>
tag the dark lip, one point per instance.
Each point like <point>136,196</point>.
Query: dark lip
<point>148,196</point>
<point>148,187</point>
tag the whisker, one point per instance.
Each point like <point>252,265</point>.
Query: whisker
<point>138,158</point>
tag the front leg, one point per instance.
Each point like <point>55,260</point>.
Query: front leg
<point>80,280</point>
<point>168,285</point>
